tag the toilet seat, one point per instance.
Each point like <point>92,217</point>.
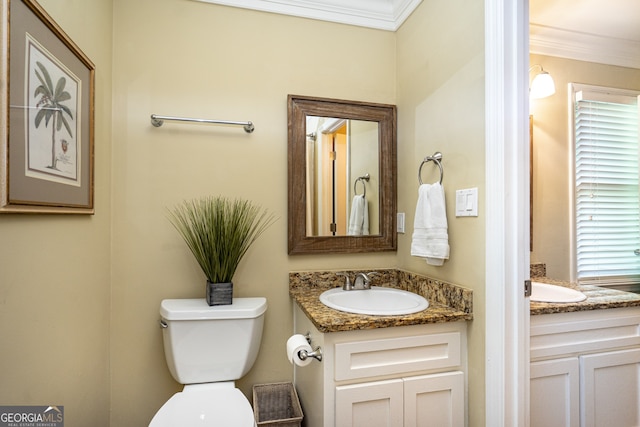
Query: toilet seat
<point>224,407</point>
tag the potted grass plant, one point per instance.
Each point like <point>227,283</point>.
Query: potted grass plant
<point>219,231</point>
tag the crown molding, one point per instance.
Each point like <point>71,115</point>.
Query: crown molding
<point>551,41</point>
<point>379,14</point>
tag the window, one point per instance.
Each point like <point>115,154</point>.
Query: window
<point>607,187</point>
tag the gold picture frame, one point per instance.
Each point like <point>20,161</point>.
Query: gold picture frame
<point>47,138</point>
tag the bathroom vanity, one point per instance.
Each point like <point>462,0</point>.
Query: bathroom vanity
<point>585,361</point>
<point>384,370</point>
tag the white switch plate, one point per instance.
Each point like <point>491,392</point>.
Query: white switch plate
<point>467,202</point>
<point>400,222</point>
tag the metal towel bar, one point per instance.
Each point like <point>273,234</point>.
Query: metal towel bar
<point>158,120</point>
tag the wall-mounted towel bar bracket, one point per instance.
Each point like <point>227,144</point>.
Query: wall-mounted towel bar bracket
<point>437,159</point>
<point>157,121</point>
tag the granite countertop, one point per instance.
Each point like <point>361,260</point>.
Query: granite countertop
<point>598,298</point>
<point>447,303</point>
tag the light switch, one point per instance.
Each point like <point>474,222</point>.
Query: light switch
<point>467,202</point>
<point>400,222</point>
<point>470,200</point>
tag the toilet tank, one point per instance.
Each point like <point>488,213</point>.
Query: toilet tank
<point>205,344</point>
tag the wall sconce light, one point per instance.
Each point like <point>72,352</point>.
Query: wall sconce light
<point>542,84</point>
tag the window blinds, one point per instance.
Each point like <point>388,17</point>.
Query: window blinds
<point>607,188</point>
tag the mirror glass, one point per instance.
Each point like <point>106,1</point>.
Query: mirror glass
<point>579,62</point>
<point>342,176</point>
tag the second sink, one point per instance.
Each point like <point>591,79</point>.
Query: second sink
<point>544,292</point>
<point>377,301</point>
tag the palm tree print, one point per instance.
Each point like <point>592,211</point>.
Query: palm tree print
<point>51,107</point>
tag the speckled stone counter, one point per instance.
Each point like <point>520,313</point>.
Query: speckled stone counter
<point>597,299</point>
<point>537,269</point>
<point>447,302</point>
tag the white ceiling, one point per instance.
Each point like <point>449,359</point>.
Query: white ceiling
<point>605,31</point>
<point>590,30</point>
<point>617,19</point>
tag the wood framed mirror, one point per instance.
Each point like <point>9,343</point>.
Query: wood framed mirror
<point>338,153</point>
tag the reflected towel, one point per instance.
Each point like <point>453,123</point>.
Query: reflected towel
<point>359,219</point>
<point>430,238</point>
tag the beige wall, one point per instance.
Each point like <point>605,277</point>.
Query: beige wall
<point>97,312</point>
<point>441,108</point>
<point>55,270</point>
<point>552,155</point>
<point>194,59</point>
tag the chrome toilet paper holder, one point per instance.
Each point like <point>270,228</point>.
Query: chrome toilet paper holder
<point>316,354</point>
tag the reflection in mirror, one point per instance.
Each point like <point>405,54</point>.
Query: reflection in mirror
<point>342,176</point>
<point>553,161</point>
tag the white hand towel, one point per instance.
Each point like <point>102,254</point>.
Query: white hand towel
<point>430,238</point>
<point>359,219</point>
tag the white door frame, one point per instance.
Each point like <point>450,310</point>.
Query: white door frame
<point>507,212</point>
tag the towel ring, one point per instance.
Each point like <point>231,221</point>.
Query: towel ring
<point>364,187</point>
<point>436,158</point>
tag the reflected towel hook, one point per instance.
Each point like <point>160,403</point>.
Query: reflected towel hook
<point>437,159</point>
<point>364,187</point>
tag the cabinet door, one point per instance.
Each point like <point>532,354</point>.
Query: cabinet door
<point>610,383</point>
<point>434,400</point>
<point>371,404</point>
<point>555,393</point>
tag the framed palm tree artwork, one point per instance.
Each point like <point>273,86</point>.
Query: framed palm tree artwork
<point>47,138</point>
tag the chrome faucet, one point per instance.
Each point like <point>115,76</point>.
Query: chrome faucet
<point>362,281</point>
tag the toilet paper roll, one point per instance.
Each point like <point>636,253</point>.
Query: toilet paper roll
<point>295,344</point>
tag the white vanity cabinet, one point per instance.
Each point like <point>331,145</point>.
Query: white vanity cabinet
<point>585,369</point>
<point>399,376</point>
<point>415,401</point>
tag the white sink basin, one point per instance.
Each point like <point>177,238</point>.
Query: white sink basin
<point>544,292</point>
<point>377,301</point>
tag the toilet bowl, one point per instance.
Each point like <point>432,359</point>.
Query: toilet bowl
<point>207,349</point>
<point>201,405</point>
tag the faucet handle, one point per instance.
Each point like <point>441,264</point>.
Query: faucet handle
<point>347,281</point>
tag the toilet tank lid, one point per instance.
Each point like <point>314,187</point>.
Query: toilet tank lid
<point>198,309</point>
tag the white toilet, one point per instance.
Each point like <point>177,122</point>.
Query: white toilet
<point>207,349</point>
